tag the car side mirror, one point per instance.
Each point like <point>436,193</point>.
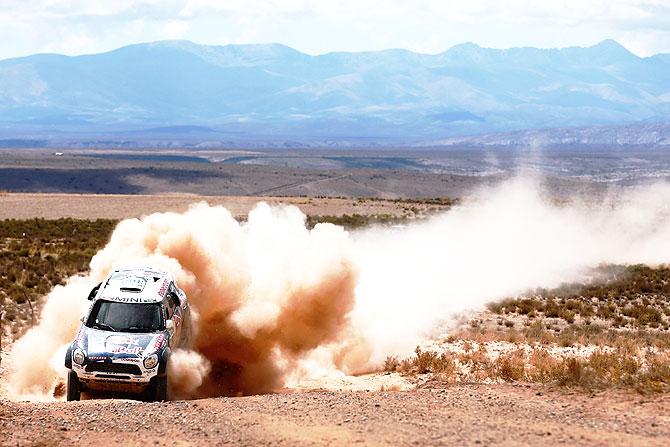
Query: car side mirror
<point>94,292</point>
<point>169,326</point>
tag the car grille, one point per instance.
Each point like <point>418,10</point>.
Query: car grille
<point>117,368</point>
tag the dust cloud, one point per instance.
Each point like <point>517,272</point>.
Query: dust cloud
<point>273,300</point>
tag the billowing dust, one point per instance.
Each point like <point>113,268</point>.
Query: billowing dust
<point>275,302</point>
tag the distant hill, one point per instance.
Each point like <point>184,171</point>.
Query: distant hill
<point>639,135</point>
<point>266,92</point>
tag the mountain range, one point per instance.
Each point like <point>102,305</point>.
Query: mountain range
<point>257,92</point>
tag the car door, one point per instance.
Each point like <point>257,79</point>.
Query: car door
<point>177,314</point>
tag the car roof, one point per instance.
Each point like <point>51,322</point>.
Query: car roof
<point>136,285</point>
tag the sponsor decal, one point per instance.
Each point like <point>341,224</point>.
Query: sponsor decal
<point>123,344</point>
<point>164,288</point>
<point>125,350</point>
<point>128,299</point>
<point>80,336</point>
<point>158,343</point>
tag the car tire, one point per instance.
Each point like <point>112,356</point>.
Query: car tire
<point>73,387</point>
<point>161,389</point>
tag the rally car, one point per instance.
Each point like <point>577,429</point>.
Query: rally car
<point>136,317</point>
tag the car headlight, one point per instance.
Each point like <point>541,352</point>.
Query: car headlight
<point>78,356</point>
<point>151,361</point>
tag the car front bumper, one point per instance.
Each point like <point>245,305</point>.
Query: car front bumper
<point>114,375</point>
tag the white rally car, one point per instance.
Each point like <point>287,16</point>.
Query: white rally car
<point>137,316</point>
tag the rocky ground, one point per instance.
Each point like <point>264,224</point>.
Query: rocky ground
<point>434,415</point>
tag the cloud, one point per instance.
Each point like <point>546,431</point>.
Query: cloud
<point>79,26</point>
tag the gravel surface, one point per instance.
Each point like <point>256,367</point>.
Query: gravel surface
<point>453,415</point>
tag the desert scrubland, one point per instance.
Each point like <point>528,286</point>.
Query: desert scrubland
<point>549,322</point>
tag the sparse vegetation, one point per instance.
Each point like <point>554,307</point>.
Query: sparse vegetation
<point>611,332</point>
<point>423,362</point>
<point>634,296</point>
<point>599,370</point>
<point>353,221</point>
<point>539,333</point>
<point>38,254</point>
<point>411,209</point>
<point>438,201</point>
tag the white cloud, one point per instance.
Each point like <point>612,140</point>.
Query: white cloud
<point>77,26</point>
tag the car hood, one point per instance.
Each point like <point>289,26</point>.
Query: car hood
<point>108,344</point>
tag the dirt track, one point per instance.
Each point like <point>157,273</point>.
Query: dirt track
<point>456,415</point>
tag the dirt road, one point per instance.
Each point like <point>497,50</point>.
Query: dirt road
<point>454,415</point>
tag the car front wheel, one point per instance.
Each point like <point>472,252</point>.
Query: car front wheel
<point>161,389</point>
<point>73,387</point>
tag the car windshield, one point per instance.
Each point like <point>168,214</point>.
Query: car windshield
<point>126,317</point>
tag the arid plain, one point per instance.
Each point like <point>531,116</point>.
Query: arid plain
<point>556,366</point>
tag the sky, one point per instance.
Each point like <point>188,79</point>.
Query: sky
<point>429,26</point>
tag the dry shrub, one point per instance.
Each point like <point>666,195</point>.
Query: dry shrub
<point>353,221</point>
<point>479,365</point>
<point>656,376</point>
<point>502,306</point>
<point>445,365</point>
<point>430,361</point>
<point>567,315</point>
<point>602,369</point>
<point>528,305</point>
<point>566,339</point>
<point>513,336</point>
<point>621,295</point>
<point>570,372</point>
<point>583,334</point>
<point>511,366</point>
<point>391,364</point>
<point>630,345</point>
<point>542,367</point>
<point>613,368</point>
<point>551,309</point>
<point>538,333</point>
<point>424,362</point>
<point>606,311</point>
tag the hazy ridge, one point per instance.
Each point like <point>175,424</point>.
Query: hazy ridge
<point>184,93</point>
